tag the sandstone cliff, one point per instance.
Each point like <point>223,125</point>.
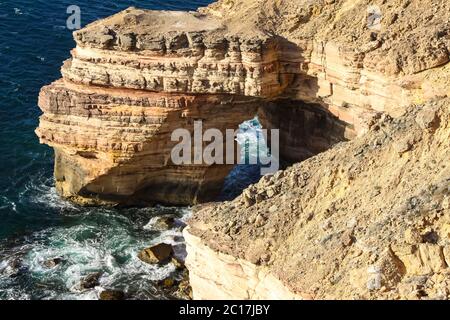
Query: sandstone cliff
<point>136,76</point>
<point>129,84</point>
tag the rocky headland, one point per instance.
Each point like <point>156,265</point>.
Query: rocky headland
<point>359,91</point>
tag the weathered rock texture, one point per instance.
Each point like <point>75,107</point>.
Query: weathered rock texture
<point>224,277</point>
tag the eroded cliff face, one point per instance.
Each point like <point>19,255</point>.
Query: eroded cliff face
<point>127,88</point>
<point>353,57</point>
<point>114,145</point>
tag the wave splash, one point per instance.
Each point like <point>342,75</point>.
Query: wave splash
<point>89,241</point>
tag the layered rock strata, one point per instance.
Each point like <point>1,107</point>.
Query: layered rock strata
<point>221,58</point>
<point>111,117</point>
<point>114,145</point>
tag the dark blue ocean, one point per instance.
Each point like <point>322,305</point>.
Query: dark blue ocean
<point>35,223</point>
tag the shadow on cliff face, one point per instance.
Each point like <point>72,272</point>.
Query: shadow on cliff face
<point>306,125</point>
<point>305,129</point>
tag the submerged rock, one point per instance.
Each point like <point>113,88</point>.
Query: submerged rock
<point>157,254</point>
<point>166,222</point>
<point>91,281</point>
<point>14,268</point>
<point>52,263</point>
<point>112,295</point>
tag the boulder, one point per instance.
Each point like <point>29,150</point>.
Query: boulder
<point>91,281</point>
<point>426,118</point>
<point>421,259</point>
<point>14,268</point>
<point>402,146</point>
<point>157,254</point>
<point>112,295</point>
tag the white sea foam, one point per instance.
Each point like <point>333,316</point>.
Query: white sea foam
<point>91,247</point>
<point>41,190</point>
